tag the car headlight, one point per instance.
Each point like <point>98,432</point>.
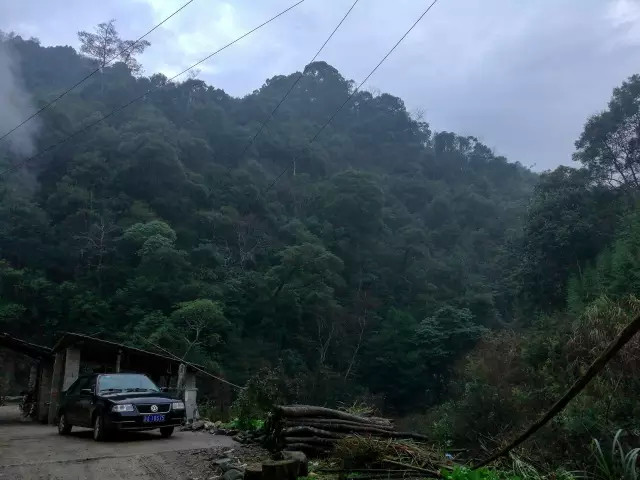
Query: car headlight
<point>126,407</point>
<point>177,406</point>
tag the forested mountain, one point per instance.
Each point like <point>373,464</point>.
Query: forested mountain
<point>369,267</point>
<point>383,262</point>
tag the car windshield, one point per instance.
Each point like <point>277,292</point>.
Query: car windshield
<point>126,383</point>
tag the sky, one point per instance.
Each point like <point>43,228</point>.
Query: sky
<point>520,75</point>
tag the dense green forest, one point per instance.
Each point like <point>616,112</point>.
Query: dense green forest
<point>411,269</point>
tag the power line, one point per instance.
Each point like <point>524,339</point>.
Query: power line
<point>355,91</point>
<point>122,107</point>
<point>293,85</point>
<point>88,76</point>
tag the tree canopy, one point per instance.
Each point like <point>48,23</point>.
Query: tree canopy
<point>371,262</point>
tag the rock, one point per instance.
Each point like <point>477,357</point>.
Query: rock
<point>217,424</point>
<point>233,474</point>
<point>197,425</point>
<point>226,466</point>
<point>301,458</point>
<point>208,425</point>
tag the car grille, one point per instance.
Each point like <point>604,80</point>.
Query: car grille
<point>146,407</point>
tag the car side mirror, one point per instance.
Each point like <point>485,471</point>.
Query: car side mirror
<point>86,391</point>
<point>164,389</point>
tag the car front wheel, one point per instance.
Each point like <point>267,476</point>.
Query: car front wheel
<point>64,427</point>
<point>166,431</point>
<point>99,433</point>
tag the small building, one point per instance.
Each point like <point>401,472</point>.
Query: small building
<point>55,369</point>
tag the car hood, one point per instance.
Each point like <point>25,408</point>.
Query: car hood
<point>140,397</point>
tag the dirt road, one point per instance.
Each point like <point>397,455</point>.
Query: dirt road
<point>29,451</point>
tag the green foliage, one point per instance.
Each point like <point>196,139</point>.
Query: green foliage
<point>609,145</point>
<point>250,424</point>
<point>616,463</point>
<point>465,473</point>
<point>366,271</point>
<point>266,389</point>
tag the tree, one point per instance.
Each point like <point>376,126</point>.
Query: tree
<point>568,223</point>
<point>201,324</point>
<point>105,45</point>
<point>609,146</point>
<point>152,228</point>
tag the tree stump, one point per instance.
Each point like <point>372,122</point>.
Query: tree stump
<point>253,472</point>
<point>280,470</point>
<point>301,458</point>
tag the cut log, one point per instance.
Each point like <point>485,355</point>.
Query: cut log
<point>332,421</point>
<point>337,426</point>
<point>311,450</point>
<point>301,458</point>
<point>293,431</point>
<point>279,470</point>
<point>310,440</point>
<point>355,429</point>
<point>313,411</point>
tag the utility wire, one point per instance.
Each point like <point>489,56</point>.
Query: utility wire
<point>293,85</point>
<point>122,107</point>
<point>88,76</point>
<point>320,130</point>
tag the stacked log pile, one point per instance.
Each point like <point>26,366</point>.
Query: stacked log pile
<point>315,430</point>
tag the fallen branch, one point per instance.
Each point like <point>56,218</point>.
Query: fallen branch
<point>598,364</point>
<point>340,428</point>
<point>356,429</point>
<point>408,466</point>
<point>364,470</point>
<point>331,423</point>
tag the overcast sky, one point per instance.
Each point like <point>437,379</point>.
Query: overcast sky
<point>521,75</point>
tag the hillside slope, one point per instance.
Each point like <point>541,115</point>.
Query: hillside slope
<point>372,264</point>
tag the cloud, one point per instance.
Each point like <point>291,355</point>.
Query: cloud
<point>521,76</point>
<point>15,105</point>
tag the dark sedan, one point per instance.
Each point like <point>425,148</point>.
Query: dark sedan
<point>118,401</point>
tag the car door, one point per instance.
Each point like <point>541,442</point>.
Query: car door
<point>73,398</point>
<point>69,400</point>
<point>85,402</point>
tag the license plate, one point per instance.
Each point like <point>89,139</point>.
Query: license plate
<point>153,418</point>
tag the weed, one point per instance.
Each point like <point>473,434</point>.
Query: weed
<point>615,464</point>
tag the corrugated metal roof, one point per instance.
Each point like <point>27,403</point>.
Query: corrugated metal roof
<point>24,347</point>
<point>74,339</point>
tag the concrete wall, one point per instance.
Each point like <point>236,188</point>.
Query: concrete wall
<point>8,372</point>
<point>71,367</point>
<point>56,386</point>
<point>190,394</point>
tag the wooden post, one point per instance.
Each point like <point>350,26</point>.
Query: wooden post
<point>118,360</point>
